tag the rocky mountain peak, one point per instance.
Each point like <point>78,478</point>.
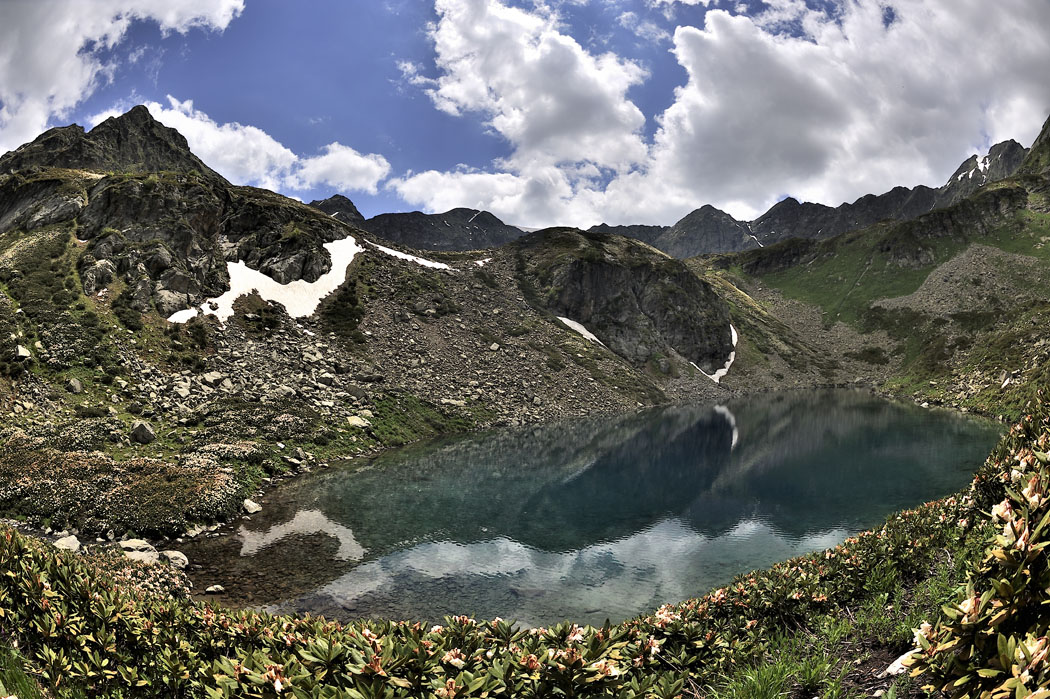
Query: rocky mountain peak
<point>132,142</point>
<point>1002,160</point>
<point>339,207</point>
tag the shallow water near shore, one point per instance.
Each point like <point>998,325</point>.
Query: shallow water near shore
<point>590,519</point>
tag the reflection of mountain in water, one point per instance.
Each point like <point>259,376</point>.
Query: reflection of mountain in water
<point>549,507</point>
<point>811,458</point>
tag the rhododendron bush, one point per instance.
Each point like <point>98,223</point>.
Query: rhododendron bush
<point>992,642</point>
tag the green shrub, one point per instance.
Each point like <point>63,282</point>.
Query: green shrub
<point>992,639</point>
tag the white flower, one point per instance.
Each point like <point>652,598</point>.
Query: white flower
<point>1003,511</point>
<point>922,632</point>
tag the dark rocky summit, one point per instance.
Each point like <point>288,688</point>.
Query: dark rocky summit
<point>134,142</point>
<point>643,305</point>
<point>339,207</point>
<point>706,229</point>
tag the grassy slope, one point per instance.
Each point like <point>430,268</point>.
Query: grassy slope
<point>844,276</point>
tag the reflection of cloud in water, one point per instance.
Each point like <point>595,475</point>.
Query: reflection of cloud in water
<point>304,523</point>
<point>667,561</point>
<point>585,519</point>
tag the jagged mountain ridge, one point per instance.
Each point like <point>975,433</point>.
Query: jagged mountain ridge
<point>134,142</point>
<point>708,230</point>
<point>456,229</point>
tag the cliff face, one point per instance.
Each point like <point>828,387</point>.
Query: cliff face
<point>640,303</point>
<point>1037,161</point>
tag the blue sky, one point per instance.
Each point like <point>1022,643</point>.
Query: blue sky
<point>545,111</point>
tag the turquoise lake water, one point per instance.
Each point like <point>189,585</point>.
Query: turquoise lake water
<point>591,519</point>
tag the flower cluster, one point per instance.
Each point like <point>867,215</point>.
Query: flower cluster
<point>992,642</point>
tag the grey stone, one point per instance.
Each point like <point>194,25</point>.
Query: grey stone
<point>68,543</point>
<point>137,545</point>
<point>147,557</point>
<point>142,432</point>
<point>176,558</point>
<point>74,386</point>
<point>251,507</point>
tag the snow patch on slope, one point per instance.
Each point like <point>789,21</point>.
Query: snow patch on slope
<point>717,376</point>
<point>300,298</point>
<point>581,330</point>
<point>411,258</point>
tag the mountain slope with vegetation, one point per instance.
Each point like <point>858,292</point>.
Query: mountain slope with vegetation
<point>103,393</point>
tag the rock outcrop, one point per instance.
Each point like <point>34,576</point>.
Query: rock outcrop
<point>134,142</point>
<point>642,304</point>
<point>1037,161</point>
<point>339,207</point>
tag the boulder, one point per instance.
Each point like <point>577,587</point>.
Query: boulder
<point>142,432</point>
<point>356,421</point>
<point>176,558</point>
<point>215,589</point>
<point>251,507</point>
<point>75,386</point>
<point>137,545</point>
<point>147,557</point>
<point>68,543</point>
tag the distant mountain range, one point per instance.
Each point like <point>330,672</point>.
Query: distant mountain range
<point>707,229</point>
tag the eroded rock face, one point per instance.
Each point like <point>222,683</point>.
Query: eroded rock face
<point>1037,162</point>
<point>640,303</point>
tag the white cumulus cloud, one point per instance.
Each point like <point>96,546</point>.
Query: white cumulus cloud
<point>536,86</point>
<point>823,105</point>
<point>49,60</point>
<point>341,167</point>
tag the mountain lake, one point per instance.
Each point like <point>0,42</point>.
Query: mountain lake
<point>590,519</point>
